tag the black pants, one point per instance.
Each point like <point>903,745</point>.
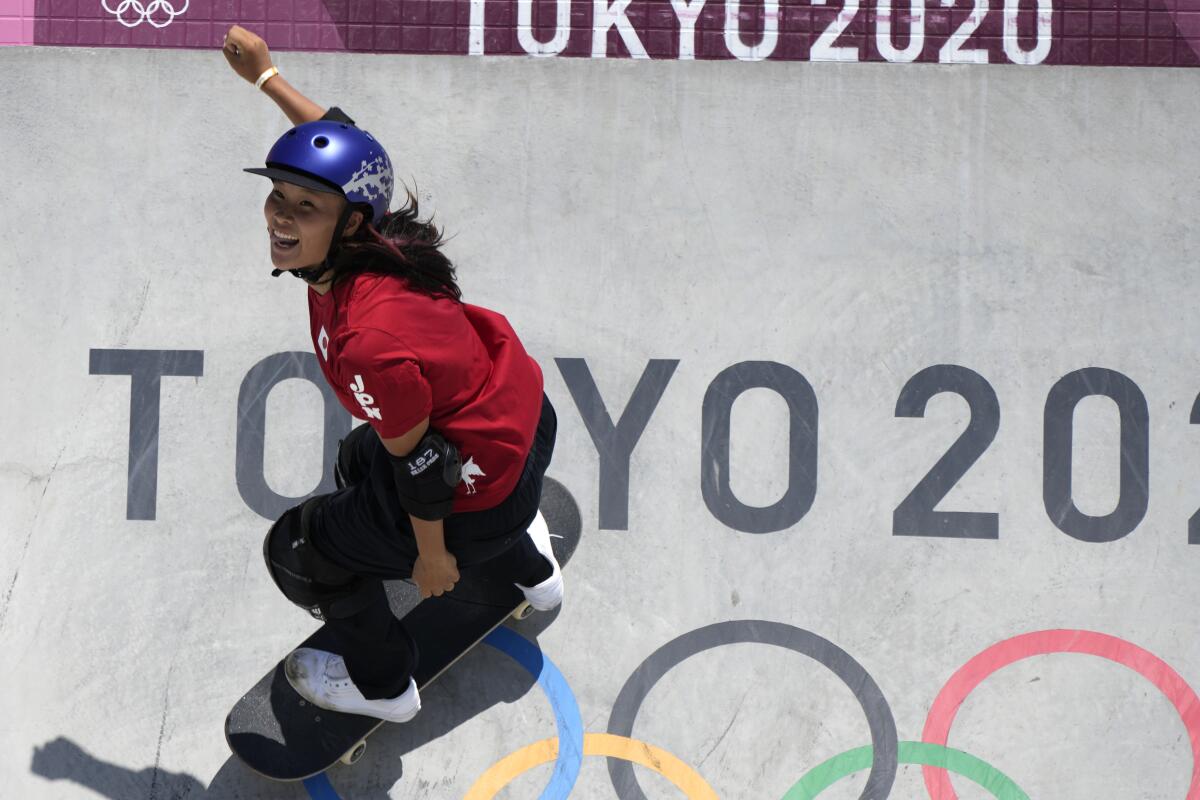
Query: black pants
<point>363,529</point>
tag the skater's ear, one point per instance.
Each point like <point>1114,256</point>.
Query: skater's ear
<point>352,226</point>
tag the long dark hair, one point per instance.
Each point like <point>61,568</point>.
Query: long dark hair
<point>400,244</point>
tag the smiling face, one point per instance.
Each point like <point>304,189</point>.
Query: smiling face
<point>300,223</point>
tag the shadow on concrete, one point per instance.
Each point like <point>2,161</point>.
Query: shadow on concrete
<point>62,760</point>
<point>484,678</point>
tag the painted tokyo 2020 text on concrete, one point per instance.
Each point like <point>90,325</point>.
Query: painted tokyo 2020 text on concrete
<point>1024,32</point>
<point>615,442</point>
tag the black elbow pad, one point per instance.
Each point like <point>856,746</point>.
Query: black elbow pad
<point>427,478</point>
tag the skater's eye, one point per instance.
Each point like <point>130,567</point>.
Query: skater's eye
<point>279,195</point>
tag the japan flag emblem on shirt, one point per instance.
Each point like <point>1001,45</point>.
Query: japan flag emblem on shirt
<point>323,343</point>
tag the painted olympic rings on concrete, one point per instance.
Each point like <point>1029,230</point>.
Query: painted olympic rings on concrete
<point>504,771</point>
<point>562,701</point>
<point>883,756</point>
<point>824,775</point>
<point>1001,654</point>
<point>879,715</point>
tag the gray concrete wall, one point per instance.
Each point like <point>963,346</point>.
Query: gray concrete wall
<point>833,229</point>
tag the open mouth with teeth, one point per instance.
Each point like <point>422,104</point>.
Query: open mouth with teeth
<point>283,242</point>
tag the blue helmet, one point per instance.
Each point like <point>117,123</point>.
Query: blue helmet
<point>336,158</point>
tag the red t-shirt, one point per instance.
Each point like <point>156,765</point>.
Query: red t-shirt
<point>395,356</point>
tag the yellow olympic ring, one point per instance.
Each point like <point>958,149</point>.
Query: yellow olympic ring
<point>504,771</point>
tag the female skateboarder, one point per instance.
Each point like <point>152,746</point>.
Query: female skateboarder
<point>447,472</point>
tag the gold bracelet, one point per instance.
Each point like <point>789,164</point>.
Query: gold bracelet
<point>266,76</point>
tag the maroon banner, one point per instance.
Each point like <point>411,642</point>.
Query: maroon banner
<point>1024,32</point>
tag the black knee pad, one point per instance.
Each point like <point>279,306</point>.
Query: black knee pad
<point>349,468</point>
<point>306,577</point>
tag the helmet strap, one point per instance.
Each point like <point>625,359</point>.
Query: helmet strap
<point>310,274</point>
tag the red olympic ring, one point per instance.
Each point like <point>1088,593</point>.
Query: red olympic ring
<point>1001,654</point>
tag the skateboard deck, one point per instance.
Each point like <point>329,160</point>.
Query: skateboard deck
<point>281,736</point>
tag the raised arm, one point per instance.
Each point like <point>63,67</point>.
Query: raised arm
<point>247,53</point>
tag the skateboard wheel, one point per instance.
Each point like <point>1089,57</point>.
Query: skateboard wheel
<point>523,611</point>
<point>354,753</point>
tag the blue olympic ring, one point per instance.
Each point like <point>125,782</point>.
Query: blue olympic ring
<point>319,788</point>
<point>562,702</point>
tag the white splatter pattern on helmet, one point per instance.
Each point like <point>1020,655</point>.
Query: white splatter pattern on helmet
<point>370,181</point>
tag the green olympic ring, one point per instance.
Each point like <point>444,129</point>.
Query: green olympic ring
<point>824,775</point>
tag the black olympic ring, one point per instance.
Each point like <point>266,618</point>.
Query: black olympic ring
<point>882,724</point>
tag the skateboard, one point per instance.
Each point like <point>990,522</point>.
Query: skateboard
<point>279,735</point>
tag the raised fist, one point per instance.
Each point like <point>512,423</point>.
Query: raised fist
<point>246,52</point>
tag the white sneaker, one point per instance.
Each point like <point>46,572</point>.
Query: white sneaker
<point>549,593</point>
<point>321,678</point>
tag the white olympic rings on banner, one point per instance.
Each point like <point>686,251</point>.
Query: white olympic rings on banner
<point>145,12</point>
